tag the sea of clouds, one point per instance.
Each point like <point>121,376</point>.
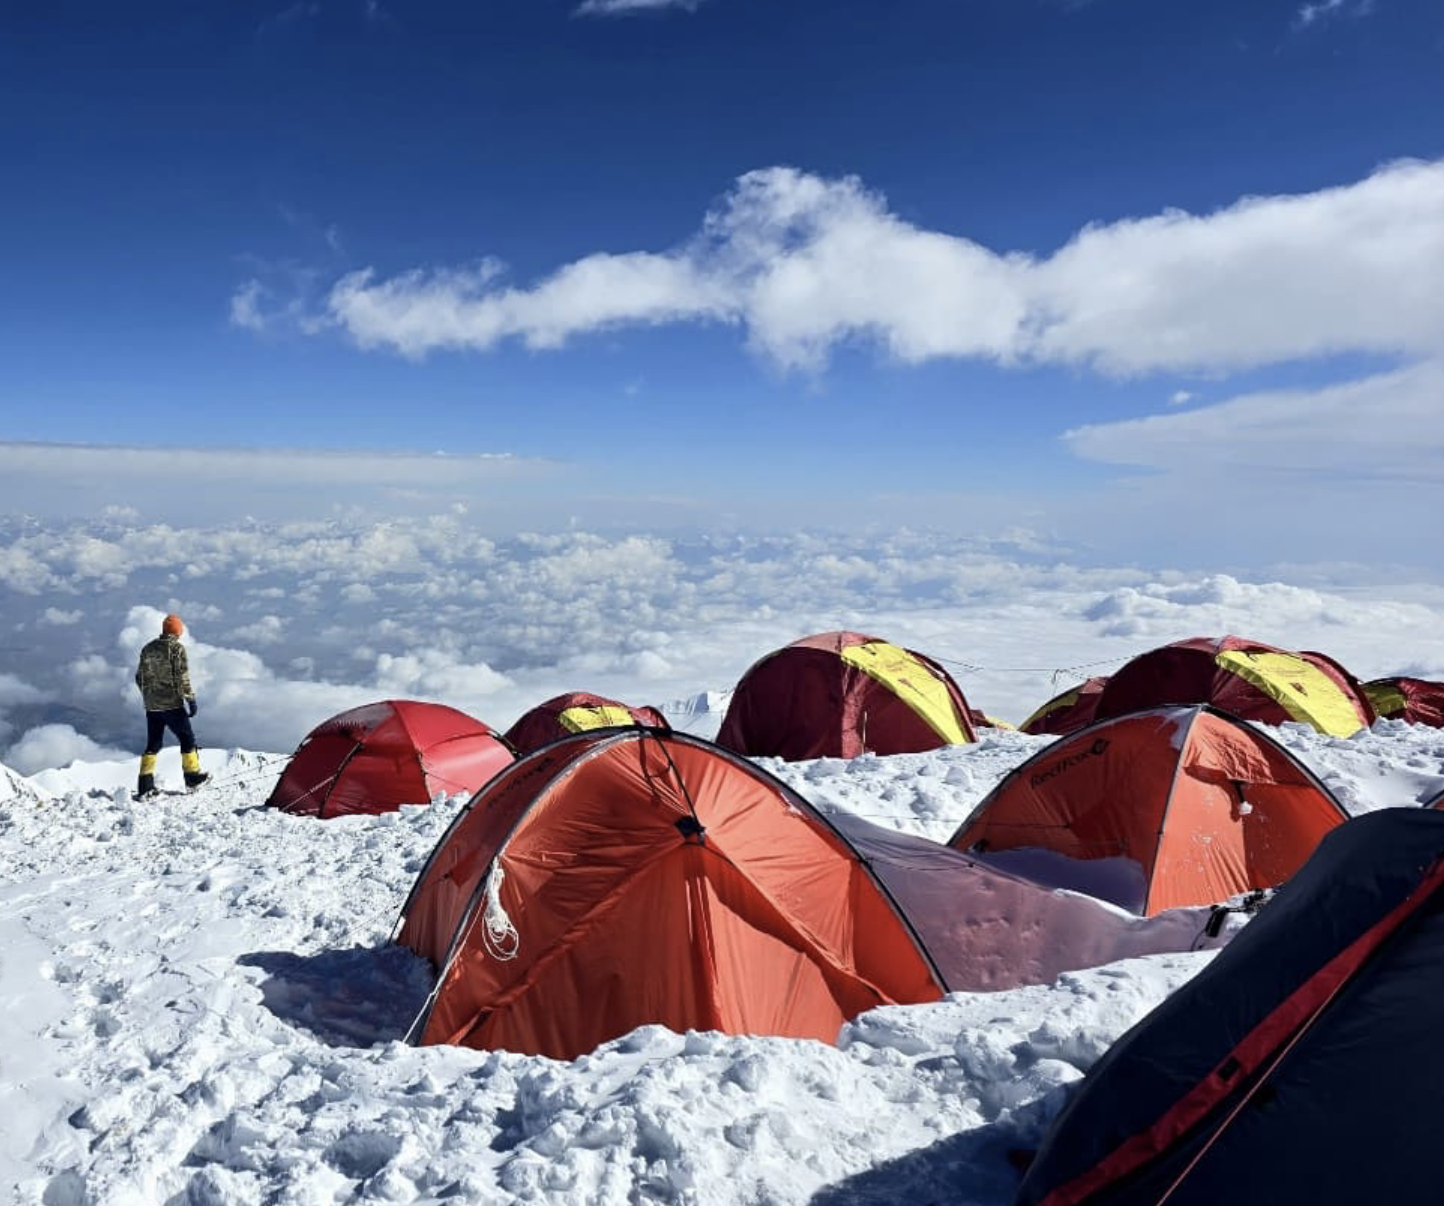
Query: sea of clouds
<point>291,623</point>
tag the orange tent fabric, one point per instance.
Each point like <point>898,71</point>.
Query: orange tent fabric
<point>841,694</point>
<point>1163,808</point>
<point>576,712</point>
<point>625,877</point>
<point>377,757</point>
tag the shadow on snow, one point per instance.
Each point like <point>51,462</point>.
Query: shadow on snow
<point>972,1168</point>
<point>358,997</point>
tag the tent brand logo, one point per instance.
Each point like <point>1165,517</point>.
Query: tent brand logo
<point>1052,772</point>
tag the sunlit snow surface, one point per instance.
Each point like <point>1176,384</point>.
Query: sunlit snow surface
<point>200,1006</point>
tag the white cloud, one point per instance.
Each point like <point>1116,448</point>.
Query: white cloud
<point>1309,14</point>
<point>1334,473</point>
<point>419,312</point>
<point>1385,427</point>
<point>229,484</point>
<point>803,263</point>
<point>14,690</point>
<point>268,630</point>
<point>1273,611</point>
<point>1180,397</point>
<point>495,627</point>
<point>57,745</point>
<point>23,571</point>
<point>620,8</point>
<point>246,307</point>
<point>53,615</point>
<point>433,673</point>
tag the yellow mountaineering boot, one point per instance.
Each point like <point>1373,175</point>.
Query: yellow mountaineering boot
<point>191,764</point>
<point>145,785</point>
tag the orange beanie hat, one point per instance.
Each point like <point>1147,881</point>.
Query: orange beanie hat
<point>172,625</point>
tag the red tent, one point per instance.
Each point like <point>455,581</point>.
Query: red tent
<point>840,694</point>
<point>1416,700</point>
<point>626,876</point>
<point>1249,679</point>
<point>377,757</point>
<point>1174,806</point>
<point>1068,712</point>
<point>577,712</point>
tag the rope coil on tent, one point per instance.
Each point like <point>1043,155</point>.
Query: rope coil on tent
<point>499,936</point>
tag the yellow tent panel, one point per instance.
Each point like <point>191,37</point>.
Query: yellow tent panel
<point>599,716</point>
<point>913,683</point>
<point>1303,690</point>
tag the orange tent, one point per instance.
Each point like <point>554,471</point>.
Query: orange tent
<point>625,877</point>
<point>841,694</point>
<point>1173,806</point>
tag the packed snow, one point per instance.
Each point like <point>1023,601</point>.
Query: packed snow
<point>201,1005</point>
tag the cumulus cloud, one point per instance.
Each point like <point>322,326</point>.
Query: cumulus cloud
<point>54,615</point>
<point>14,690</point>
<point>57,745</point>
<point>494,627</point>
<point>1276,612</point>
<point>803,263</point>
<point>268,630</point>
<point>419,312</point>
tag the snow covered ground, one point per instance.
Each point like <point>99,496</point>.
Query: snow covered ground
<point>200,1006</point>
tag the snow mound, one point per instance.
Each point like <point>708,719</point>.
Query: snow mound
<point>15,789</point>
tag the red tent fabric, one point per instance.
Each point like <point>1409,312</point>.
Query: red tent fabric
<point>377,757</point>
<point>841,694</point>
<point>1169,807</point>
<point>1068,711</point>
<point>576,712</point>
<point>1246,678</point>
<point>624,876</point>
<point>1416,700</point>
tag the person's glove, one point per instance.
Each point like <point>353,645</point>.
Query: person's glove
<point>190,707</point>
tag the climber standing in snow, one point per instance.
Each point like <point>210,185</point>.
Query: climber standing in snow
<point>165,685</point>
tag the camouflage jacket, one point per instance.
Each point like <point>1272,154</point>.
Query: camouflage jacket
<point>163,676</point>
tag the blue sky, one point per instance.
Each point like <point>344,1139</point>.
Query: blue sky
<point>195,189</point>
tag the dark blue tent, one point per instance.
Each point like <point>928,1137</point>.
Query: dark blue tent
<point>1304,1064</point>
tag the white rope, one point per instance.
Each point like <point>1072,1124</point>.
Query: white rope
<point>498,934</point>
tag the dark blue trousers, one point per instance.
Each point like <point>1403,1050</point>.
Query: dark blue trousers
<point>177,722</point>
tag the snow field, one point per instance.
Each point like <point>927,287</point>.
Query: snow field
<point>200,1006</point>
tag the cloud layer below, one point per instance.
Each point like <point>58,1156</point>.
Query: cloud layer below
<point>289,626</point>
